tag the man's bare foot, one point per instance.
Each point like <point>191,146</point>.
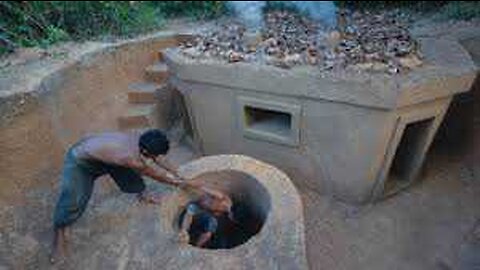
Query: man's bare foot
<point>59,246</point>
<point>55,255</point>
<point>150,198</point>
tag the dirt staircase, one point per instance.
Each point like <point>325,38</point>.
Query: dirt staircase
<point>146,99</point>
<point>154,103</point>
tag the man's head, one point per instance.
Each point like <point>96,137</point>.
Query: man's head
<point>153,143</point>
<point>217,206</point>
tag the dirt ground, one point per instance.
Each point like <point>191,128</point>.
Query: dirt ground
<point>430,226</point>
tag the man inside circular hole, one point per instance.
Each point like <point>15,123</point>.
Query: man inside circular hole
<point>201,219</point>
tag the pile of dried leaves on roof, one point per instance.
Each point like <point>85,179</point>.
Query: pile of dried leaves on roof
<point>361,41</point>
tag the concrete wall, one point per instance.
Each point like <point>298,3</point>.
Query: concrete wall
<point>347,144</point>
<point>343,150</point>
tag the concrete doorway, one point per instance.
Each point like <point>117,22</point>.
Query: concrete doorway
<point>408,155</point>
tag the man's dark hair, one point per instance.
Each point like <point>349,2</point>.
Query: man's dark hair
<point>154,142</point>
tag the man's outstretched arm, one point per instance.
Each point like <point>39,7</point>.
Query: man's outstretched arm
<point>156,174</point>
<point>167,165</point>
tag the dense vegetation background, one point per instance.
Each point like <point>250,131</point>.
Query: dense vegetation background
<point>41,23</point>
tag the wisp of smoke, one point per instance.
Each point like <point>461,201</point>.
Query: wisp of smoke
<point>249,11</point>
<point>323,11</point>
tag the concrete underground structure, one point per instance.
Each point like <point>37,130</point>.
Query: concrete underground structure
<point>358,137</point>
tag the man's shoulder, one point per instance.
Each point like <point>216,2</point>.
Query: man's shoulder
<point>193,208</point>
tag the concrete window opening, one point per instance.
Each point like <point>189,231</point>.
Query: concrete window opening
<point>406,159</point>
<point>268,121</point>
<point>251,205</point>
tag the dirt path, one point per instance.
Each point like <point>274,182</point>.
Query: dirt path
<point>423,228</point>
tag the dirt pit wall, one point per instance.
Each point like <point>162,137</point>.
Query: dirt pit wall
<point>53,108</point>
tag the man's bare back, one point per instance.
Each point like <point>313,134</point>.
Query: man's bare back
<point>114,148</point>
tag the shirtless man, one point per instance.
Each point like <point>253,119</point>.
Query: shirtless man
<point>125,157</point>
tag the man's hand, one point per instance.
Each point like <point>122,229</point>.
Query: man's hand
<point>163,162</point>
<point>217,194</point>
<point>201,188</point>
<point>149,198</point>
<point>183,237</point>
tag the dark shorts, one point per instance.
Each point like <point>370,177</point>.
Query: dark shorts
<point>77,182</point>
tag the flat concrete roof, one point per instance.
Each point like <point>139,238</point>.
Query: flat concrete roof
<point>447,69</point>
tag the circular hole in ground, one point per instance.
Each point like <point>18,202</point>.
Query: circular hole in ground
<point>251,205</point>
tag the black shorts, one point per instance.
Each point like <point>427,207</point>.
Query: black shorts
<point>77,185</point>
